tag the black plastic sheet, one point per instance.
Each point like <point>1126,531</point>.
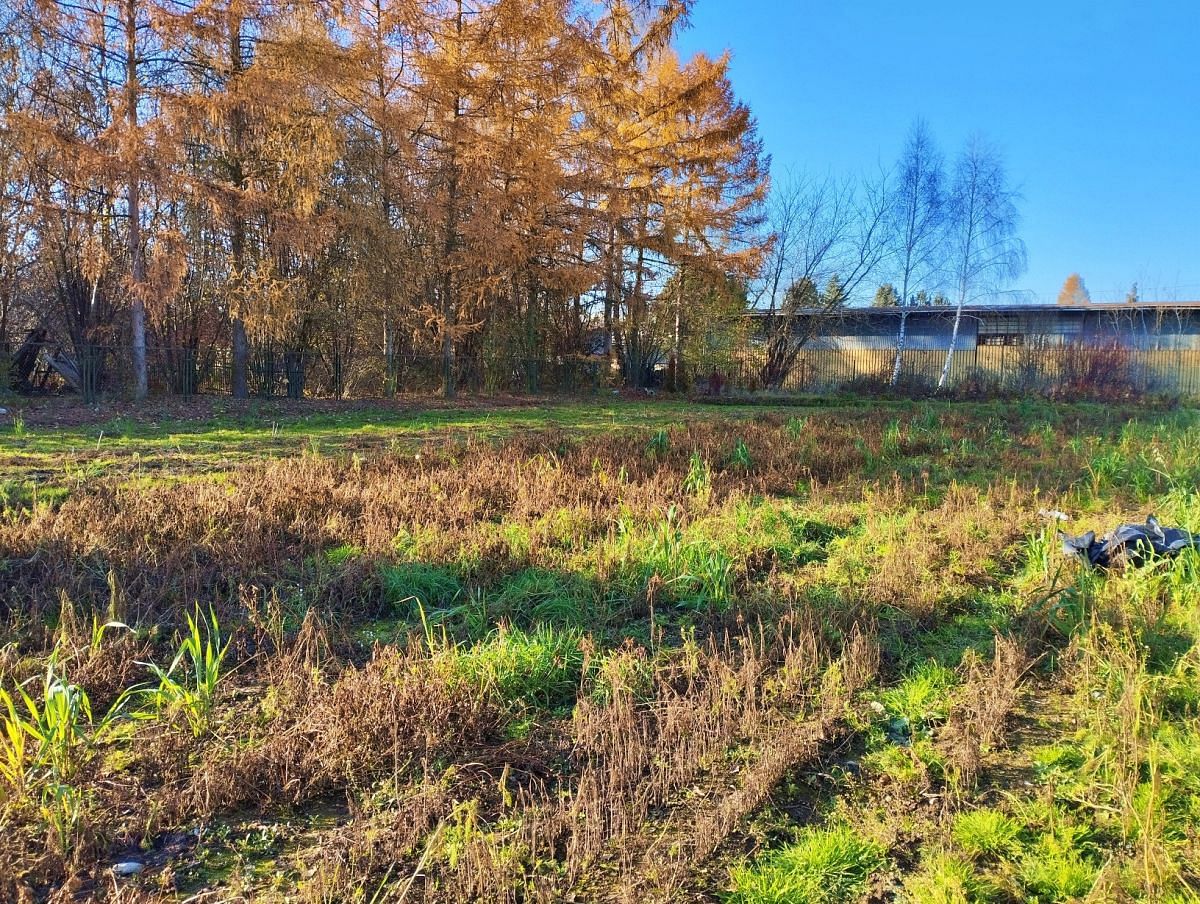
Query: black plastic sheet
<point>1129,544</point>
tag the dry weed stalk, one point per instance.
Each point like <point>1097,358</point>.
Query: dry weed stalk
<point>980,707</point>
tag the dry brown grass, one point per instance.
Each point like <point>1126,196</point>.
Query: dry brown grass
<point>444,790</point>
<point>642,734</point>
<point>979,709</point>
<point>698,828</point>
<point>164,546</point>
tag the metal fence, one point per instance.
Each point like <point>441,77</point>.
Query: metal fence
<point>1077,369</point>
<point>273,373</point>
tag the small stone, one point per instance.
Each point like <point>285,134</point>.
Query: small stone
<point>128,868</point>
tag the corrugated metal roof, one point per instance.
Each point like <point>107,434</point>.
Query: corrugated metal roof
<point>1102,306</point>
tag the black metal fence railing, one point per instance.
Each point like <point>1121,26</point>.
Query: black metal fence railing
<point>272,373</point>
<point>90,372</point>
<point>1102,371</point>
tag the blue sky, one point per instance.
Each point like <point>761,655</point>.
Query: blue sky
<point>1095,105</point>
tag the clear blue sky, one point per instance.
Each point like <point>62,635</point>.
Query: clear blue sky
<point>1096,106</point>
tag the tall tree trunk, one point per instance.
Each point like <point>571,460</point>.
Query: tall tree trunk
<point>532,340</point>
<point>241,359</point>
<point>385,204</point>
<point>448,311</point>
<point>901,338</point>
<point>576,324</point>
<point>675,336</point>
<point>902,335</point>
<point>389,358</point>
<point>448,388</point>
<point>136,262</point>
<point>447,303</point>
<point>611,302</point>
<point>635,345</point>
<point>237,242</point>
<point>953,340</point>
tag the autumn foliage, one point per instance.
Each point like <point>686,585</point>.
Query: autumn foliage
<point>216,180</point>
<point>1074,292</point>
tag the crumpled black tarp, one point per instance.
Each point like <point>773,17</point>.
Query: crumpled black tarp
<point>1130,544</point>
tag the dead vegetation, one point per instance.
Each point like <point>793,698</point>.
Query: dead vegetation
<point>979,709</point>
<point>549,669</point>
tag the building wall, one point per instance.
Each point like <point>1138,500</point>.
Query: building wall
<point>874,331</point>
<point>1154,330</point>
<point>931,330</point>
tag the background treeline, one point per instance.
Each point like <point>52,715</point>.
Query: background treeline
<point>199,184</point>
<point>237,193</point>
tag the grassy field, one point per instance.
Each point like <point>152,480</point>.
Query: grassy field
<point>609,651</point>
<point>55,448</point>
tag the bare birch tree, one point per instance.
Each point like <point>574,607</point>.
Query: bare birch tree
<point>985,251</point>
<point>917,220</point>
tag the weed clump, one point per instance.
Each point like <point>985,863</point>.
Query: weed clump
<point>429,586</point>
<point>986,832</point>
<point>944,878</point>
<point>823,866</point>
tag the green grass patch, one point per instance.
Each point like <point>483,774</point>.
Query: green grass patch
<point>411,584</point>
<point>920,701</point>
<point>539,669</point>
<point>823,866</point>
<point>536,596</point>
<point>945,878</point>
<point>986,832</point>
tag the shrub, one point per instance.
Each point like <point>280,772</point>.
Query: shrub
<point>1102,372</point>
